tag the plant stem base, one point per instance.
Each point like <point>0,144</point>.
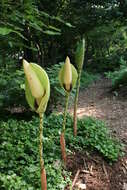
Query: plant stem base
<point>63,149</point>
<point>43,179</point>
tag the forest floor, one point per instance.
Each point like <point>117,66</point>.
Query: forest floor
<point>98,101</point>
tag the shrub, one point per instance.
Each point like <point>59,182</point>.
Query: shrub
<point>11,88</point>
<point>87,79</point>
<point>119,77</point>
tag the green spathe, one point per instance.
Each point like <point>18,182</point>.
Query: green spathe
<point>79,55</point>
<point>37,104</point>
<point>35,85</point>
<point>63,75</point>
<point>67,74</point>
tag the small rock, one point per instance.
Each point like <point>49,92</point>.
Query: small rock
<point>125,186</point>
<point>82,186</point>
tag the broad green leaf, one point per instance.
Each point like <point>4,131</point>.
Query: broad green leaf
<point>49,32</point>
<point>54,28</point>
<point>45,14</point>
<point>5,31</point>
<point>56,18</point>
<point>35,26</point>
<point>62,21</point>
<point>19,34</point>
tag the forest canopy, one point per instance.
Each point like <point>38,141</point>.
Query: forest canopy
<point>47,31</point>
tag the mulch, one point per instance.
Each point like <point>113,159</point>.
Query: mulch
<point>96,172</point>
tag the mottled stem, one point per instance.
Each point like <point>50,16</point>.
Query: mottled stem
<point>43,172</point>
<point>65,111</point>
<point>75,104</point>
<point>62,139</point>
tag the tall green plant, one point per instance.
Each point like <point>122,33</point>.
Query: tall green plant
<point>79,59</point>
<point>67,78</point>
<point>37,91</point>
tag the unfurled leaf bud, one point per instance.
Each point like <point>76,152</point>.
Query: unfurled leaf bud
<point>79,55</point>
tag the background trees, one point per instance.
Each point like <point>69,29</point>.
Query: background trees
<point>46,32</point>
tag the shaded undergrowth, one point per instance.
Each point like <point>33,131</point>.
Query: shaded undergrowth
<point>19,150</point>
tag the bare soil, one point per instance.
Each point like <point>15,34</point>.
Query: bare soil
<point>96,173</point>
<point>100,102</point>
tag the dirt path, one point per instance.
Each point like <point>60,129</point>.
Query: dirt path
<point>98,101</point>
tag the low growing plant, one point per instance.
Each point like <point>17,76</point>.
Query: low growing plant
<point>119,77</point>
<point>13,95</point>
<point>67,78</point>
<point>19,163</point>
<point>87,78</point>
<point>79,59</point>
<point>93,134</point>
<point>19,159</point>
<point>37,90</point>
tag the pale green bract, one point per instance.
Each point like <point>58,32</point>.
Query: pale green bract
<point>43,78</point>
<point>74,76</point>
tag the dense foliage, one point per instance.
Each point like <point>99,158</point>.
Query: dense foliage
<point>12,92</point>
<point>11,88</point>
<point>19,157</point>
<point>45,32</point>
<point>119,77</point>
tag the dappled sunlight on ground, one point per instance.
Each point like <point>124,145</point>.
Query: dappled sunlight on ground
<point>97,101</point>
<point>88,111</point>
